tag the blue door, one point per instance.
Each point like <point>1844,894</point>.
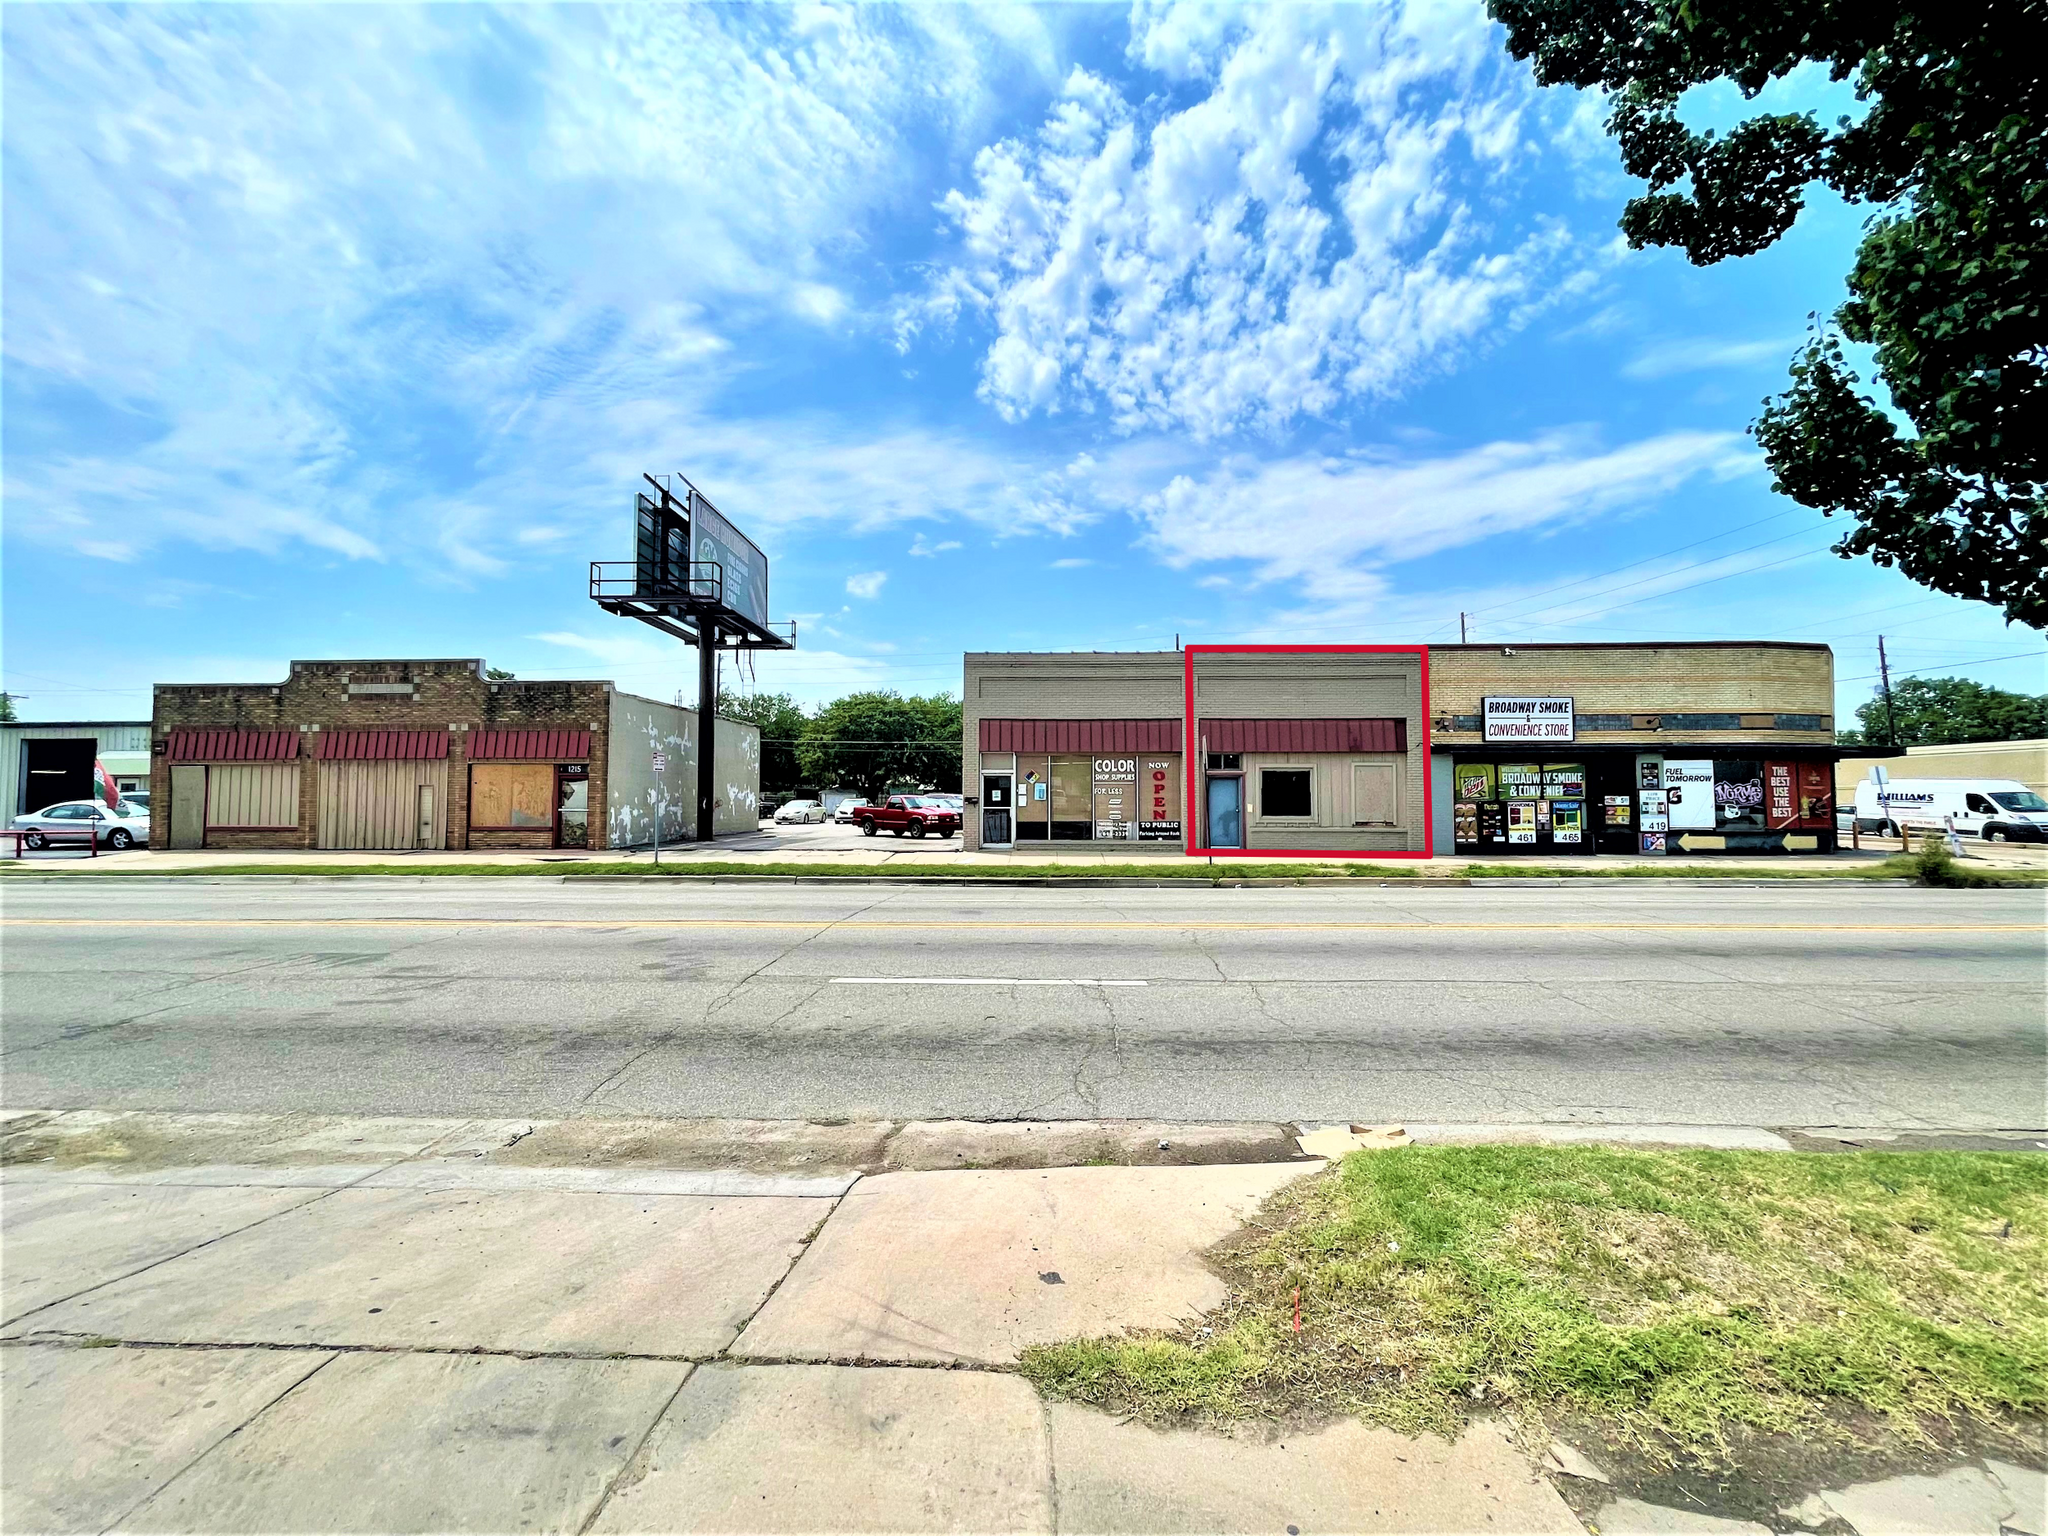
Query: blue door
<point>1226,813</point>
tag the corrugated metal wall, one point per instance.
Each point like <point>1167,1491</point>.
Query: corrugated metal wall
<point>111,736</point>
<point>376,804</point>
<point>252,795</point>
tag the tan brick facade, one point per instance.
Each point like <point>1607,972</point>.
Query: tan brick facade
<point>1762,699</point>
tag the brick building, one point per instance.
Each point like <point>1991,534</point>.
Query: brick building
<point>431,754</point>
<point>1399,751</point>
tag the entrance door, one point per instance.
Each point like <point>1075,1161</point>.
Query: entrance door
<point>996,810</point>
<point>1226,811</point>
<point>188,805</point>
<point>572,808</point>
<point>424,837</point>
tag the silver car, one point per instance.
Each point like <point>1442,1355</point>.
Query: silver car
<point>799,812</point>
<point>124,825</point>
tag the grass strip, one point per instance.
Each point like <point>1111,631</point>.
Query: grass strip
<point>1670,1295</point>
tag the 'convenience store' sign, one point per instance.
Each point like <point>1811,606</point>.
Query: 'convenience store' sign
<point>1528,719</point>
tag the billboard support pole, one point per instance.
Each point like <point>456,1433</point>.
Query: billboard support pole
<point>707,729</point>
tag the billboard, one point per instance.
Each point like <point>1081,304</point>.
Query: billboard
<point>741,568</point>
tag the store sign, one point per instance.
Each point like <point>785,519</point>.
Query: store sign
<point>1781,796</point>
<point>1689,794</point>
<point>1528,719</point>
<point>1521,781</point>
<point>1116,795</point>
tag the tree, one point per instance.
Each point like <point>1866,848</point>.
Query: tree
<point>782,723</point>
<point>7,708</point>
<point>1947,286</point>
<point>498,675</point>
<point>871,741</point>
<point>1940,711</point>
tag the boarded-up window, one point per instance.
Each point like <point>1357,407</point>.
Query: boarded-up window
<point>252,795</point>
<point>1373,802</point>
<point>512,795</point>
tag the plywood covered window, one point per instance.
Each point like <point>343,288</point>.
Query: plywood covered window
<point>1374,795</point>
<point>252,795</point>
<point>512,795</point>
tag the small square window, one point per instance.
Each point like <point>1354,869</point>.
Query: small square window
<point>1226,762</point>
<point>1286,792</point>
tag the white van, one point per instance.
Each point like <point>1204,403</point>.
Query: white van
<point>1997,810</point>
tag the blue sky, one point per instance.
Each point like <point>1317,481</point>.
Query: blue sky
<point>349,332</point>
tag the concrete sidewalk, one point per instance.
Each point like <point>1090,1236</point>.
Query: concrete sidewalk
<point>389,1327</point>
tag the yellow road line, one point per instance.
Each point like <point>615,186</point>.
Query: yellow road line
<point>1001,927</point>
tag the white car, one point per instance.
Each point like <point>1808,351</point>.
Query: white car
<point>125,825</point>
<point>799,812</point>
<point>848,813</point>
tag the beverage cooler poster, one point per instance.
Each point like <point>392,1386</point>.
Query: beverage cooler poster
<point>1522,821</point>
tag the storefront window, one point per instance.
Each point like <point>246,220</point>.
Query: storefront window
<point>1286,792</point>
<point>1073,798</point>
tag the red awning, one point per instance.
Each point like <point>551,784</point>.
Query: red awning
<point>382,746</point>
<point>200,745</point>
<point>553,746</point>
<point>1305,735</point>
<point>1080,736</point>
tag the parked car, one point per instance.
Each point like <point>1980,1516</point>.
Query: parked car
<point>799,812</point>
<point>849,811</point>
<point>1997,810</point>
<point>910,815</point>
<point>124,825</point>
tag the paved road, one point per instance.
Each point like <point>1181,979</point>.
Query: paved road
<point>1769,1006</point>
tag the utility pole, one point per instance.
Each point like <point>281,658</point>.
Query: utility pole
<point>1884,673</point>
<point>1461,629</point>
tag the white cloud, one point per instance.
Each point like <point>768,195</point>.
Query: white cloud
<point>1070,563</point>
<point>1330,524</point>
<point>920,547</point>
<point>867,584</point>
<point>1178,266</point>
<point>1700,354</point>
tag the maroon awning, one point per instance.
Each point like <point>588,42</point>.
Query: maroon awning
<point>382,746</point>
<point>1080,736</point>
<point>200,745</point>
<point>1305,735</point>
<point>553,746</point>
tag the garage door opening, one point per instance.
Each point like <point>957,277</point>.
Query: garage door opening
<point>56,770</point>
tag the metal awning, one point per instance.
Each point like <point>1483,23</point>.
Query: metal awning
<point>381,746</point>
<point>199,744</point>
<point>1366,735</point>
<point>1080,736</point>
<point>551,746</point>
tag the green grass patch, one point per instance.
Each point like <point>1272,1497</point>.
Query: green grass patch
<point>1673,1296</point>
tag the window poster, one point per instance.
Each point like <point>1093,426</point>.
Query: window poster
<point>1521,781</point>
<point>1653,842</point>
<point>1542,815</point>
<point>1465,822</point>
<point>1159,799</point>
<point>1649,773</point>
<point>1816,794</point>
<point>1738,792</point>
<point>1616,809</point>
<point>1567,821</point>
<point>1116,796</point>
<point>1655,810</point>
<point>1474,781</point>
<point>1493,824</point>
<point>1522,821</point>
<point>1781,797</point>
<point>1689,794</point>
<point>1564,781</point>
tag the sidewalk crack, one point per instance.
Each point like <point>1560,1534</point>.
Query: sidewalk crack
<point>633,1461</point>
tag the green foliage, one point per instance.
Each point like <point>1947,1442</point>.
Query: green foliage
<point>782,723</point>
<point>7,714</point>
<point>497,675</point>
<point>1672,1295</point>
<point>1947,287</point>
<point>871,741</point>
<point>1939,711</point>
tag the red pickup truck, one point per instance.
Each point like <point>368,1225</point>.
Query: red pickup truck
<point>912,814</point>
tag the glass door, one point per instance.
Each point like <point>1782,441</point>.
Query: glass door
<point>572,807</point>
<point>996,810</point>
<point>1226,811</point>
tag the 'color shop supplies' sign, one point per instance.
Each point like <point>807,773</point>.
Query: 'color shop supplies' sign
<point>1528,719</point>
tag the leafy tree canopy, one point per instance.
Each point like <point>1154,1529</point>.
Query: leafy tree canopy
<point>498,674</point>
<point>782,723</point>
<point>1938,711</point>
<point>7,706</point>
<point>869,741</point>
<point>1947,287</point>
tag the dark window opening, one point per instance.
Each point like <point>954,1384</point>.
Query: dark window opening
<point>1285,792</point>
<point>1226,762</point>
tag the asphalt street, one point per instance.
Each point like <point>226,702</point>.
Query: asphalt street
<point>1621,1002</point>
